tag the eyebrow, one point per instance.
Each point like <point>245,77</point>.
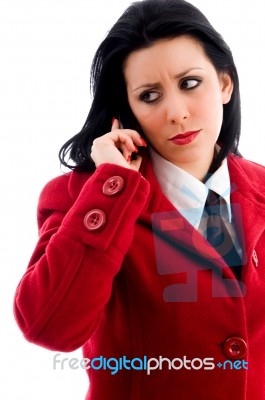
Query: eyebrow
<point>178,76</point>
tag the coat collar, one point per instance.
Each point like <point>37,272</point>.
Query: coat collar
<point>247,179</point>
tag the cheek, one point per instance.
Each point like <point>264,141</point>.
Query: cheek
<point>151,125</point>
<point>148,118</point>
<point>210,109</point>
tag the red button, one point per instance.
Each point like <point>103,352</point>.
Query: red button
<point>235,348</point>
<point>113,185</point>
<point>94,220</point>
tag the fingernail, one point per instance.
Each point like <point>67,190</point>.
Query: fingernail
<point>112,121</point>
<point>143,142</point>
<point>135,149</point>
<point>128,159</point>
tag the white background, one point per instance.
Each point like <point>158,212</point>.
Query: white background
<point>46,51</point>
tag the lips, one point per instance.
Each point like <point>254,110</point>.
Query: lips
<point>185,138</point>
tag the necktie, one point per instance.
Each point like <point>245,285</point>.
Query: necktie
<point>217,233</point>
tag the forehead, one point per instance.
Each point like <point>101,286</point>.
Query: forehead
<point>175,54</point>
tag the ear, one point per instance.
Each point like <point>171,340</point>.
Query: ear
<point>227,87</point>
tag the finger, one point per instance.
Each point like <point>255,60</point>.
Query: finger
<point>128,151</point>
<point>135,164</point>
<point>115,124</point>
<point>123,140</point>
<point>125,151</point>
<point>136,137</point>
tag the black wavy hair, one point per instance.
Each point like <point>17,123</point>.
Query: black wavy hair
<point>142,24</point>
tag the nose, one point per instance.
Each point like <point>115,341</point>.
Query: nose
<point>177,108</point>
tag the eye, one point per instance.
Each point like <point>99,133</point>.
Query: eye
<point>149,97</point>
<point>190,83</point>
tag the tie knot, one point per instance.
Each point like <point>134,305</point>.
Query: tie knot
<point>213,199</point>
<point>213,202</point>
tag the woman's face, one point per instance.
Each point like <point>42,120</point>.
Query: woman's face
<point>177,98</point>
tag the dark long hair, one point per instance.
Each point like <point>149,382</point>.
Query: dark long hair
<point>141,25</point>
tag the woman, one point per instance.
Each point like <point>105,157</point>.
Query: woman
<point>127,264</point>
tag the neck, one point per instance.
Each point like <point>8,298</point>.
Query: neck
<point>199,168</point>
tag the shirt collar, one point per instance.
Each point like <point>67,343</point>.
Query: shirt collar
<point>186,192</point>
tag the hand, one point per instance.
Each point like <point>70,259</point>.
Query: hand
<point>117,146</point>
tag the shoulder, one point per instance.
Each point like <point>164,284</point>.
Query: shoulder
<point>249,171</point>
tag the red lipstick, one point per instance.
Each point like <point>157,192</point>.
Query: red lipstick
<point>185,137</point>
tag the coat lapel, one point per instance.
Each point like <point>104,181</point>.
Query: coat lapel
<point>248,206</point>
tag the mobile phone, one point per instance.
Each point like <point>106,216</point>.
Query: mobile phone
<point>122,126</point>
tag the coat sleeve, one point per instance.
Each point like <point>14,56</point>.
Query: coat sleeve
<point>68,282</point>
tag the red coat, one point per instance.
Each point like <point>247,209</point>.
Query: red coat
<point>134,278</point>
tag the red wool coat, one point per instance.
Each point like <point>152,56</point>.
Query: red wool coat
<point>133,278</point>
